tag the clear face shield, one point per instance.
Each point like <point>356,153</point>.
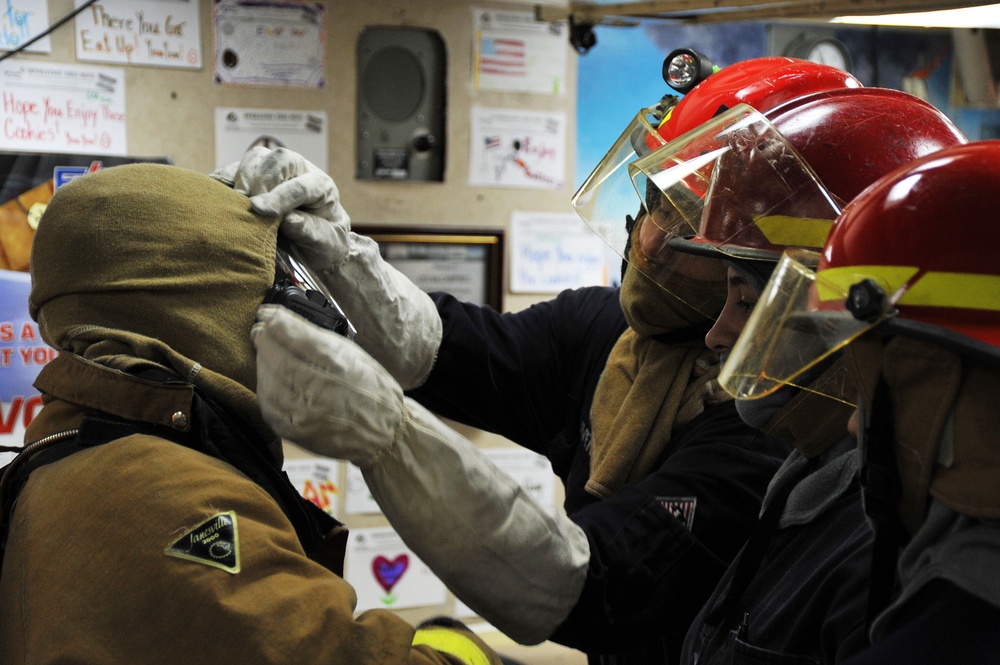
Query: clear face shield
<point>633,226</point>
<point>607,196</point>
<point>800,320</point>
<point>736,187</point>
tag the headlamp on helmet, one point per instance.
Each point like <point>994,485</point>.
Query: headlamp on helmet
<point>684,68</point>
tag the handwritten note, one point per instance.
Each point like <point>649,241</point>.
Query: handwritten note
<point>359,499</point>
<point>531,471</point>
<point>62,108</point>
<point>20,21</point>
<point>160,33</point>
<point>554,251</point>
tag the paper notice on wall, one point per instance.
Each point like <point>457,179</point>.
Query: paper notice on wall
<point>386,574</point>
<point>514,52</point>
<point>237,130</point>
<point>21,21</point>
<point>316,479</point>
<point>158,33</point>
<point>50,107</point>
<point>550,252</point>
<point>531,471</point>
<point>270,43</point>
<point>358,499</point>
<point>517,148</point>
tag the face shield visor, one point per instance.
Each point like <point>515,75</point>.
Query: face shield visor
<point>300,290</point>
<point>801,319</point>
<point>735,187</point>
<point>633,226</point>
<point>606,196</point>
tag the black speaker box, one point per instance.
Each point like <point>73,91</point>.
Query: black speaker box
<point>401,104</point>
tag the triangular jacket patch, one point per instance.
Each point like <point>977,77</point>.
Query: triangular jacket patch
<point>214,542</point>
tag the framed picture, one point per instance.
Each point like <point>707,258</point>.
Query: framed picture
<point>467,263</point>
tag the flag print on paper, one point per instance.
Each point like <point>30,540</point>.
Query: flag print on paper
<point>502,57</point>
<point>516,53</point>
<point>517,148</point>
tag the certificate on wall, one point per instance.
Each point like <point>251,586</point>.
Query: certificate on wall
<point>237,130</point>
<point>270,43</point>
<point>467,263</point>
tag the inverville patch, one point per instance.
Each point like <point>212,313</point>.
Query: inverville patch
<point>214,542</point>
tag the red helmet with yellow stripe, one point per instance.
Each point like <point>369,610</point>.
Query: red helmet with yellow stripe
<point>914,255</point>
<point>782,186</point>
<point>929,236</point>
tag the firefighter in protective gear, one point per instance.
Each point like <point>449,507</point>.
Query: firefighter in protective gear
<point>776,181</point>
<point>907,287</point>
<point>148,510</point>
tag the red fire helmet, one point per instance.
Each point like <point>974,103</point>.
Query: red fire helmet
<point>930,233</point>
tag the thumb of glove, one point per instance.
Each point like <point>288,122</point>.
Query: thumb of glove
<point>323,245</point>
<point>322,391</point>
<point>226,174</point>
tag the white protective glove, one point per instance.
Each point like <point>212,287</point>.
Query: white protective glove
<point>492,544</point>
<point>397,322</point>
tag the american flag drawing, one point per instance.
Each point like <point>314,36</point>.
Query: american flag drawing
<point>503,57</point>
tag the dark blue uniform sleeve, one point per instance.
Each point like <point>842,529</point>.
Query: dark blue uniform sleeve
<point>659,547</point>
<point>525,375</point>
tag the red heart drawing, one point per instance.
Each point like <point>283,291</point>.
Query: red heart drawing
<point>387,573</point>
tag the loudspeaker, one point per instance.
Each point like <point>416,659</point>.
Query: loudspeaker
<point>401,104</point>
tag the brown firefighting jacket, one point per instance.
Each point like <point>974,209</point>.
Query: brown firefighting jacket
<point>141,550</point>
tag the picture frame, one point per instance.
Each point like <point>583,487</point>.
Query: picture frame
<point>465,262</point>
